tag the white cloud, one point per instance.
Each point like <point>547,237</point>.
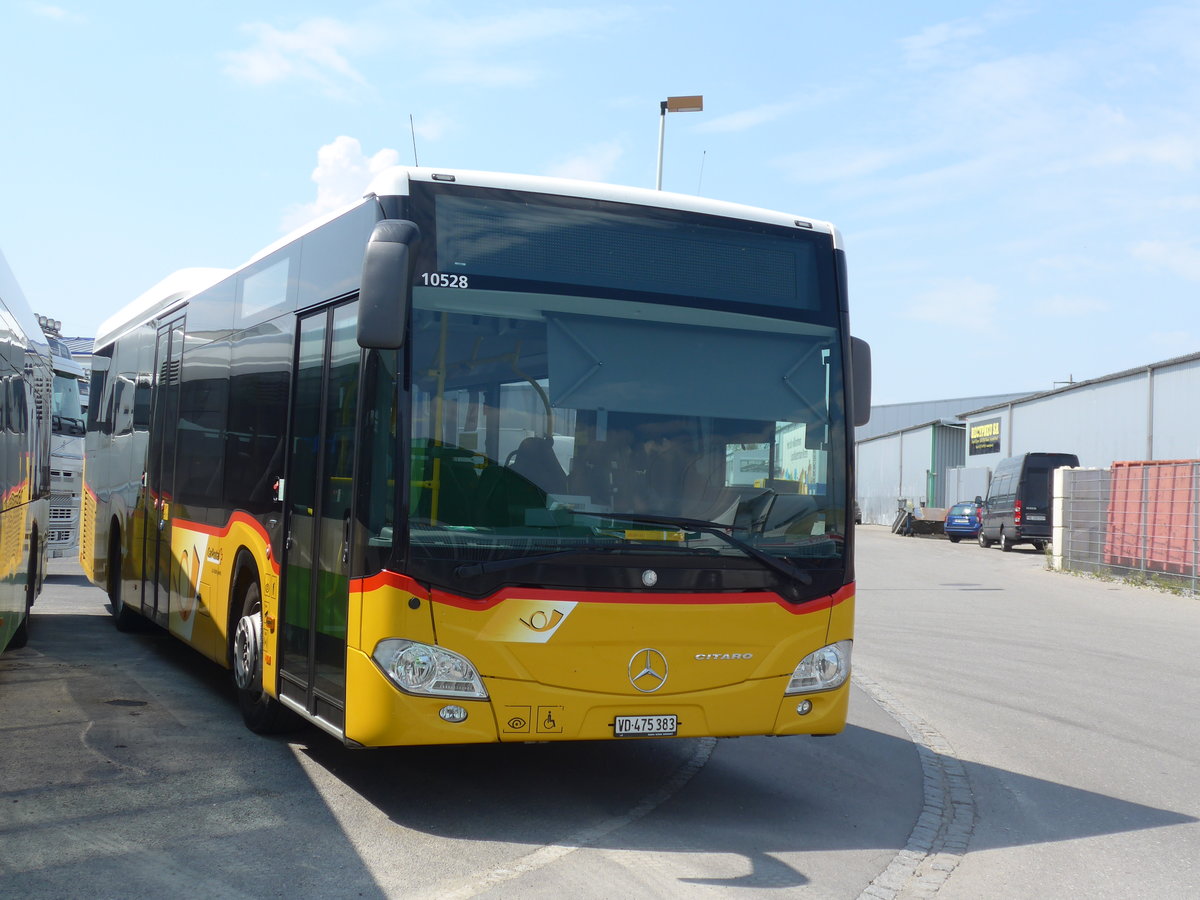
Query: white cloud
<point>932,45</point>
<point>442,46</point>
<point>464,51</point>
<point>1063,307</point>
<point>595,163</point>
<point>461,72</point>
<point>846,164</point>
<point>961,303</point>
<point>432,126</point>
<point>1173,150</point>
<point>57,13</point>
<point>947,43</point>
<point>1180,257</point>
<point>474,35</point>
<point>313,52</point>
<point>747,118</point>
<point>342,175</point>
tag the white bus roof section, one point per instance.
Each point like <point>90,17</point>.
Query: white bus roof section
<point>175,287</point>
<point>17,322</point>
<point>395,181</point>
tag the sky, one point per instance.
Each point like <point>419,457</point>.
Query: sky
<point>1015,181</point>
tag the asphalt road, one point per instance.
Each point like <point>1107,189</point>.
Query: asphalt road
<point>1069,703</point>
<point>1013,733</point>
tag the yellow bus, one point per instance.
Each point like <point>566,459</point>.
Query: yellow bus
<point>490,458</point>
<point>25,380</point>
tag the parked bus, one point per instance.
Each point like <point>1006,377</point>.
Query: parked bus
<point>471,461</point>
<point>66,445</point>
<point>25,379</point>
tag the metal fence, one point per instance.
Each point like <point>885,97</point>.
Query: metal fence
<point>1135,520</point>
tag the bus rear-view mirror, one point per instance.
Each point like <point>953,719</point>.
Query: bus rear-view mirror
<point>860,358</point>
<point>386,288</point>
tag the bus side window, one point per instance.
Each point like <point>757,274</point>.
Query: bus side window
<point>99,414</point>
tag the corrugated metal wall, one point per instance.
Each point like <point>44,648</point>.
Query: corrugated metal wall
<point>879,472</point>
<point>1176,431</point>
<point>892,417</point>
<point>907,466</point>
<point>949,451</point>
<point>1137,414</point>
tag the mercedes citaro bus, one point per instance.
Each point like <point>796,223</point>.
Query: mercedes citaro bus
<point>495,458</point>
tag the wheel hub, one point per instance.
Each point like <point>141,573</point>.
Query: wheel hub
<point>247,652</point>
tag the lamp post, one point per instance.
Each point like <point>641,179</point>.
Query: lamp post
<point>673,104</point>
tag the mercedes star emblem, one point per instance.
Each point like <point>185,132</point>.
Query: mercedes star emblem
<point>648,670</point>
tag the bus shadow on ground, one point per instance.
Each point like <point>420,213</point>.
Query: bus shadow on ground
<point>767,800</point>
<point>127,772</point>
<point>67,580</point>
<point>144,737</point>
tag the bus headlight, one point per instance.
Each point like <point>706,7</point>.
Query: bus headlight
<point>822,670</point>
<point>431,671</point>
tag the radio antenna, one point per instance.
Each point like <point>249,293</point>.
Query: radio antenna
<point>413,128</point>
<point>703,156</point>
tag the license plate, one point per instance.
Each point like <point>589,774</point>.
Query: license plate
<point>1037,518</point>
<point>645,726</point>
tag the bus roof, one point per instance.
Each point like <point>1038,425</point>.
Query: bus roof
<point>18,320</point>
<point>175,287</point>
<point>395,182</point>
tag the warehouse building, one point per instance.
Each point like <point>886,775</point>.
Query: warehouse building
<point>1145,413</point>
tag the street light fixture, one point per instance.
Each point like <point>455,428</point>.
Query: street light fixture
<point>693,103</point>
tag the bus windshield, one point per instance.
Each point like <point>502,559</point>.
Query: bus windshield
<point>550,420</point>
<point>67,406</point>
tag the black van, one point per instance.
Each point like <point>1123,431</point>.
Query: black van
<point>1018,510</point>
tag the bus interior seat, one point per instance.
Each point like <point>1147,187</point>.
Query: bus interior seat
<point>600,470</point>
<point>535,461</point>
<point>504,496</point>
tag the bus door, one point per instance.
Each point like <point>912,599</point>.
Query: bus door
<point>160,471</point>
<point>317,498</point>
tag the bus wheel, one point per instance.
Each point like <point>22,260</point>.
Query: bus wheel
<point>21,636</point>
<point>1005,542</point>
<point>123,617</point>
<point>983,541</point>
<point>262,713</point>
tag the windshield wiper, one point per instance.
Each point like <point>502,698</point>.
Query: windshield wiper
<point>787,569</point>
<point>470,570</point>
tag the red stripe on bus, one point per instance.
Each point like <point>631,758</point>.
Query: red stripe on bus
<point>223,531</point>
<point>404,583</point>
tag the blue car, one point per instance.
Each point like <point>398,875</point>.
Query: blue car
<point>962,520</point>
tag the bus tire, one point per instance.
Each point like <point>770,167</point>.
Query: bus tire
<point>1005,541</point>
<point>262,713</point>
<point>983,541</point>
<point>21,636</point>
<point>124,618</point>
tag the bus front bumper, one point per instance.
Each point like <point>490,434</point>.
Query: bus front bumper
<point>380,715</point>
